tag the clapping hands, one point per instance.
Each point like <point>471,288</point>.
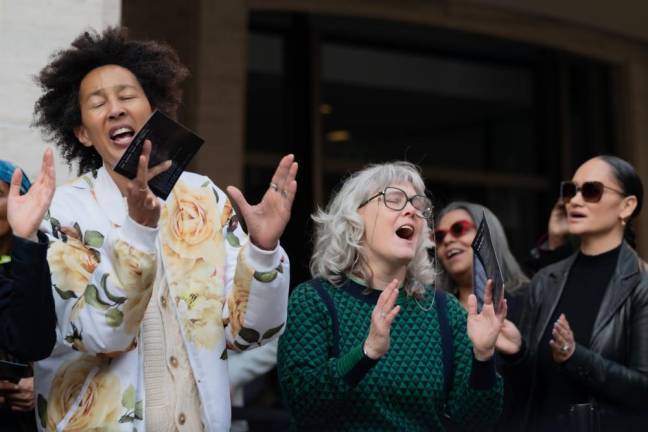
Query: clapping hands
<point>378,341</point>
<point>562,343</point>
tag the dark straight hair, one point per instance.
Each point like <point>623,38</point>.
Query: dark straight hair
<point>631,184</point>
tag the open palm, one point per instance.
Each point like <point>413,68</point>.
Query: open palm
<point>267,220</point>
<point>25,212</point>
<point>485,326</point>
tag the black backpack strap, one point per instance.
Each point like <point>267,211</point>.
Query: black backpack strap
<point>328,301</point>
<point>441,303</point>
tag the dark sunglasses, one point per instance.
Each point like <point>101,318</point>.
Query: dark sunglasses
<point>591,191</point>
<point>457,230</point>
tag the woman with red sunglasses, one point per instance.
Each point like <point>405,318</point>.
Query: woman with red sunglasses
<point>583,334</point>
<point>455,231</point>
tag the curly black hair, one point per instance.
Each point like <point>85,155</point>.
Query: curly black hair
<point>57,112</point>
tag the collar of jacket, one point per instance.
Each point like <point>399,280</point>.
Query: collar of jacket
<point>626,276</point>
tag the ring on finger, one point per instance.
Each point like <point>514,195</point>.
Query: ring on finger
<point>274,186</point>
<point>564,348</point>
<point>383,315</point>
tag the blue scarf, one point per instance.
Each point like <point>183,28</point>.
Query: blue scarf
<point>6,171</point>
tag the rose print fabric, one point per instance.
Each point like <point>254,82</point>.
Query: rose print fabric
<point>225,292</point>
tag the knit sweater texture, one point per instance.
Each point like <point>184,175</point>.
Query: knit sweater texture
<point>404,390</point>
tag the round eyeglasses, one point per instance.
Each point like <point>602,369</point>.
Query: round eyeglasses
<point>397,199</point>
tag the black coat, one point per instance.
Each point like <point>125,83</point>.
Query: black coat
<point>27,315</point>
<point>614,369</point>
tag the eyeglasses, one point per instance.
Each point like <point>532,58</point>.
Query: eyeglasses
<point>457,230</point>
<point>397,199</point>
<point>591,191</point>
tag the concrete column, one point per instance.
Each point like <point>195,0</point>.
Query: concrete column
<point>634,113</point>
<point>30,31</point>
<point>210,38</point>
<point>220,74</point>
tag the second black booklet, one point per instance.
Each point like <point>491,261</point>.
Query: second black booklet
<point>486,266</point>
<point>170,141</point>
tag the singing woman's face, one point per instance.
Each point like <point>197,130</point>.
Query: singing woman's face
<point>113,108</point>
<point>455,248</point>
<point>391,237</point>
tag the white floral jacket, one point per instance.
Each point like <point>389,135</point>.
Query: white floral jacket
<point>227,293</point>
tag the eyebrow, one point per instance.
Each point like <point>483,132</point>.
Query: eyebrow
<point>117,88</point>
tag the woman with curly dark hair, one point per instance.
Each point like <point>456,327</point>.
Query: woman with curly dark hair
<point>148,292</point>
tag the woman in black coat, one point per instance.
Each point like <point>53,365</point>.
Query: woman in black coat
<point>584,332</point>
<point>27,318</point>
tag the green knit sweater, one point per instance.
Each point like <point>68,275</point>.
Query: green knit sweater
<point>401,391</point>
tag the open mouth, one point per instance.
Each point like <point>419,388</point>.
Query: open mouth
<point>453,253</point>
<point>122,135</point>
<point>577,215</point>
<point>405,232</point>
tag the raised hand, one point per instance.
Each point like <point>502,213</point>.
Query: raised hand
<point>558,228</point>
<point>377,343</point>
<point>562,343</point>
<point>25,212</point>
<point>509,340</point>
<point>267,220</point>
<point>484,327</point>
<point>143,206</point>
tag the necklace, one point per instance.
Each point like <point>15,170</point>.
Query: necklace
<point>429,308</point>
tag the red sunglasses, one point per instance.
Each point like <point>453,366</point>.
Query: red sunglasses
<point>457,230</point>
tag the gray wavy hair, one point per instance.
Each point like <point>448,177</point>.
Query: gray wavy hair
<point>512,273</point>
<point>339,229</point>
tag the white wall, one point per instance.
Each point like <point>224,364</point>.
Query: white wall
<point>30,31</point>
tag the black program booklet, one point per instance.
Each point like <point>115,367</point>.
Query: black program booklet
<point>169,141</point>
<point>486,266</point>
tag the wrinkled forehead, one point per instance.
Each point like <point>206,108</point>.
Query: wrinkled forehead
<point>107,78</point>
<point>410,186</point>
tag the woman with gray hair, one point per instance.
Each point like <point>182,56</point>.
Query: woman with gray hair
<point>369,344</point>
